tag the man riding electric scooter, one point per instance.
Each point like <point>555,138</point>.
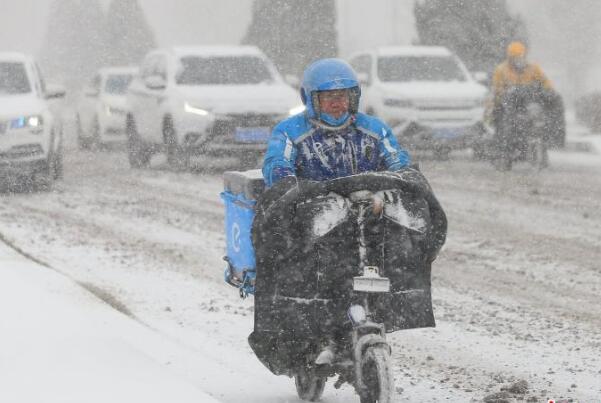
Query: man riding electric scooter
<point>344,237</point>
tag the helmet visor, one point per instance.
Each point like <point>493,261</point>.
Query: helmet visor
<point>337,84</point>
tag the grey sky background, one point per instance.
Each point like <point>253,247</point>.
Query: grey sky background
<point>565,41</point>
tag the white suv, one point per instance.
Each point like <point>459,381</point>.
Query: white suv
<point>220,100</point>
<point>101,109</point>
<point>31,135</point>
<point>425,94</point>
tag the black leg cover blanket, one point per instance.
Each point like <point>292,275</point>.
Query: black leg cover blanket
<point>307,251</point>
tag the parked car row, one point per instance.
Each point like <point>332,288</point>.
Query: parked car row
<point>186,101</point>
<point>31,132</point>
<point>224,100</point>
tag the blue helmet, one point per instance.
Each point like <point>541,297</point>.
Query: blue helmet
<point>326,75</point>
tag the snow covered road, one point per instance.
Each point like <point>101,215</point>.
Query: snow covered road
<point>61,344</point>
<point>515,289</point>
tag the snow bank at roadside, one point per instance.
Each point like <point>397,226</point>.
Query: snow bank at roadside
<point>59,343</point>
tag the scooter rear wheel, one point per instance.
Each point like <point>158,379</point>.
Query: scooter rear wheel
<point>309,386</point>
<point>377,375</point>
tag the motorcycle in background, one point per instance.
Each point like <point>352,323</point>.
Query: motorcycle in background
<point>522,130</point>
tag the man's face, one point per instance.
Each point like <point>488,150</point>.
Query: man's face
<point>335,103</point>
<point>518,62</point>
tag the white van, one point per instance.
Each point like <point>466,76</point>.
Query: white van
<point>426,95</point>
<point>221,100</point>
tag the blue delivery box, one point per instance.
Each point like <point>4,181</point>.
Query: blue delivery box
<point>240,194</point>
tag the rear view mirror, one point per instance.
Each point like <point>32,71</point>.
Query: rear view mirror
<point>54,91</point>
<point>155,82</point>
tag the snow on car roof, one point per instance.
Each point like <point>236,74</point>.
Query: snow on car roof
<point>216,51</point>
<point>413,51</point>
<point>13,57</point>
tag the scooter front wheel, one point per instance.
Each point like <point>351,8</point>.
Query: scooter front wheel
<point>539,154</point>
<point>377,376</point>
<point>309,386</point>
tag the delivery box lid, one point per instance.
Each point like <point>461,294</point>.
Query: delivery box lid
<point>249,183</point>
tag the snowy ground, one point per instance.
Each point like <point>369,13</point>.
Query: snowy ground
<point>62,344</point>
<point>515,289</point>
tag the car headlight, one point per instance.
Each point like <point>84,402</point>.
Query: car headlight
<point>24,122</point>
<point>296,110</point>
<point>193,109</point>
<point>398,103</point>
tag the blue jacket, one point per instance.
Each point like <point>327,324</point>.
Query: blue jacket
<point>299,148</point>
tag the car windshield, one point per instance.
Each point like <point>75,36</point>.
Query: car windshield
<point>117,84</point>
<point>419,68</point>
<point>13,78</point>
<point>223,70</point>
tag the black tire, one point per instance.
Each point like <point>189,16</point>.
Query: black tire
<point>309,386</point>
<point>377,376</point>
<point>178,157</point>
<point>43,180</point>
<point>137,154</point>
<point>58,163</point>
<point>504,148</point>
<point>82,142</point>
<point>95,142</point>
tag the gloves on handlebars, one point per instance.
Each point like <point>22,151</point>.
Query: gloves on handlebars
<point>418,183</point>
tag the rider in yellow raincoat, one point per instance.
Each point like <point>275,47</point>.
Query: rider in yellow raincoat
<point>515,71</point>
